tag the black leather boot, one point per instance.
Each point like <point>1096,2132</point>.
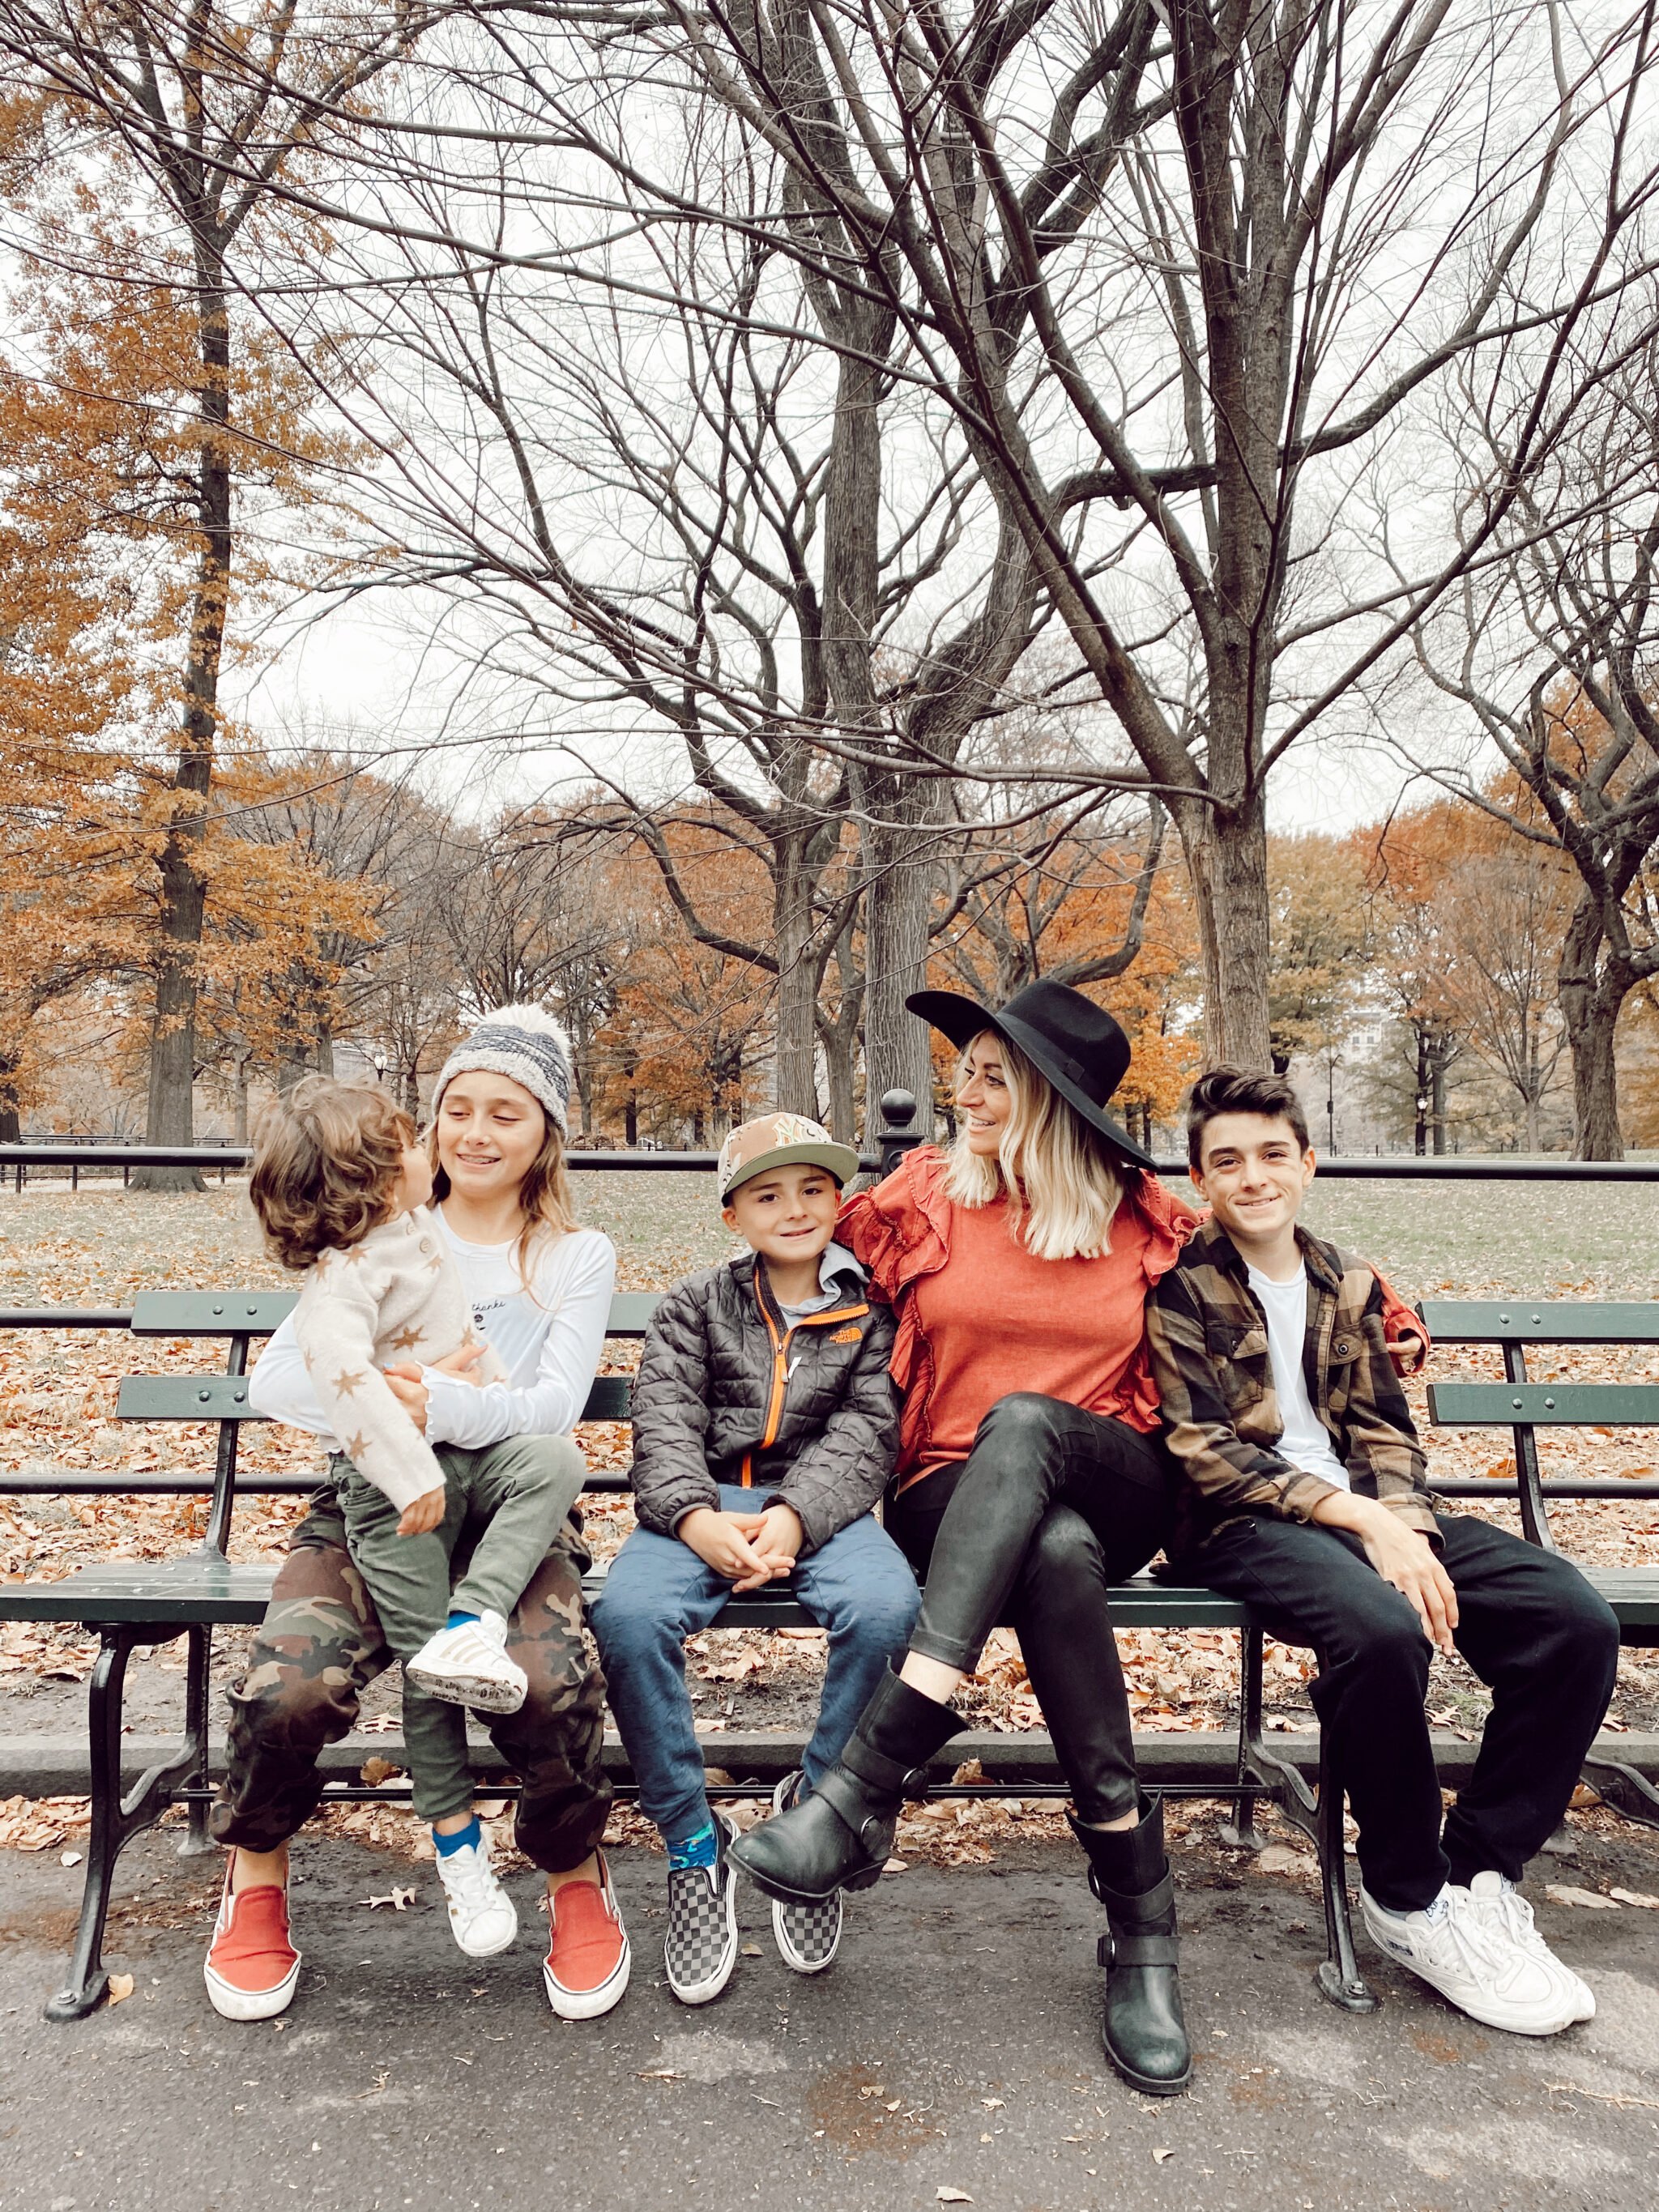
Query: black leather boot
<point>1146,2035</point>
<point>841,1835</point>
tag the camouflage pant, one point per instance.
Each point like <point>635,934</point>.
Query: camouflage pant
<point>321,1645</point>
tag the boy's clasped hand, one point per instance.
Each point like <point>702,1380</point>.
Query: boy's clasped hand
<point>751,1549</point>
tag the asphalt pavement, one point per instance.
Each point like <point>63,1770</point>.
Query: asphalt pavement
<point>951,2056</point>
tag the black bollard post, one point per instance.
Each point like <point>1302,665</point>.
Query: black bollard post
<point>896,1135</point>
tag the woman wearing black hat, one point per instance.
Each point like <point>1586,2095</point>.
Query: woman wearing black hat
<point>1032,1475</point>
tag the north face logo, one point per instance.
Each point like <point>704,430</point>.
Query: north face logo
<point>846,1336</point>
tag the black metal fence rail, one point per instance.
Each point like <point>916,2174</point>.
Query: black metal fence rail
<point>1495,1167</point>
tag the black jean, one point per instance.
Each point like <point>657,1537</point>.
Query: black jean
<point>1528,1624</point>
<point>1051,1507</point>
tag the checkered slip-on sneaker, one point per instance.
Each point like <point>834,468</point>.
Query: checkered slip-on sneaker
<point>807,1936</point>
<point>701,1947</point>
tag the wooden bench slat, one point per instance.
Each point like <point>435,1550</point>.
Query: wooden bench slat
<point>210,1313</point>
<point>1540,1321</point>
<point>1544,1405</point>
<point>610,1399</point>
<point>224,1398</point>
<point>184,1398</point>
<point>257,1313</point>
<point>201,1586</point>
<point>1633,1594</point>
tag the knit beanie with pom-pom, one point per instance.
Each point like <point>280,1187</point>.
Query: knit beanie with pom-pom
<point>524,1042</point>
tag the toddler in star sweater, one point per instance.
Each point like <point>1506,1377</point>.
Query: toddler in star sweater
<point>341,1187</point>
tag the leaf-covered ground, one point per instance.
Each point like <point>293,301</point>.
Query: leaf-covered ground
<point>100,1247</point>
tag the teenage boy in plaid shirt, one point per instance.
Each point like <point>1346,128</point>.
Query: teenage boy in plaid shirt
<point>1305,1497</point>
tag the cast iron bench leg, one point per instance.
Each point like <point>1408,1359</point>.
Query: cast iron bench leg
<point>88,1981</point>
<point>1242,1831</point>
<point>1338,1976</point>
<point>197,1684</point>
<point>115,1818</point>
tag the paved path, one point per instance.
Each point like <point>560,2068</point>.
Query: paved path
<point>953,2047</point>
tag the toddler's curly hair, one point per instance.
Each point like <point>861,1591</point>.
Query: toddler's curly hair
<point>325,1164</point>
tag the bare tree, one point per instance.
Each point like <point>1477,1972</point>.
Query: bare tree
<point>212,109</point>
<point>1551,652</point>
<point>1172,269</point>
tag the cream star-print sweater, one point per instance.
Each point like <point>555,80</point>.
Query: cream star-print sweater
<point>395,1295</point>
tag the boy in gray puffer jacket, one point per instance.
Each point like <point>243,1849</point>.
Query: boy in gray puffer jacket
<point>765,1424</point>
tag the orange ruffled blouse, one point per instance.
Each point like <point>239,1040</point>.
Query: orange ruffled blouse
<point>979,1316</point>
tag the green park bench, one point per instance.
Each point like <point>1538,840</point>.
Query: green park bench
<point>1523,1406</point>
<point>133,1603</point>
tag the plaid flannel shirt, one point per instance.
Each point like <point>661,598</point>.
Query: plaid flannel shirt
<point>1208,1337</point>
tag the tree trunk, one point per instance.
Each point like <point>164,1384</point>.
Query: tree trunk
<point>1591,1026</point>
<point>182,904</point>
<point>242,1099</point>
<point>794,1058</point>
<point>1420,1131</point>
<point>11,1124</point>
<point>1227,865</point>
<point>840,1044</point>
<point>1592,991</point>
<point>897,1045</point>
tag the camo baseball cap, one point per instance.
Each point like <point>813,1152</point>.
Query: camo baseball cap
<point>781,1140</point>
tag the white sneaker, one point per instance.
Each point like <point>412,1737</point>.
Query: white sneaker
<point>481,1913</point>
<point>1499,1906</point>
<point>468,1665</point>
<point>1450,1945</point>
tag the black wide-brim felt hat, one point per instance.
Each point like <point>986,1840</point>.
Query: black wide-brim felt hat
<point>1075,1044</point>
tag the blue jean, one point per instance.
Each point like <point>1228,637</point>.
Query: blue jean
<point>858,1586</point>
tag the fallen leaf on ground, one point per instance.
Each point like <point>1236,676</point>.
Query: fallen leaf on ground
<point>991,2104</point>
<point>73,1859</point>
<point>896,1866</point>
<point>952,2196</point>
<point>1160,2155</point>
<point>1284,1858</point>
<point>397,1899</point>
<point>1563,1892</point>
<point>657,2074</point>
<point>1635,1897</point>
<point>120,1988</point>
<point>751,1951</point>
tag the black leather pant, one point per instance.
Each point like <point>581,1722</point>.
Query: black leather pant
<point>1052,1506</point>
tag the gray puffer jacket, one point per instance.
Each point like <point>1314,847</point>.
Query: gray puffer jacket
<point>727,1393</point>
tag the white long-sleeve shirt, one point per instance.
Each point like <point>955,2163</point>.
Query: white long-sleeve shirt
<point>548,1337</point>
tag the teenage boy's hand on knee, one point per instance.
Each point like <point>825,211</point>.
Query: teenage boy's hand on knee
<point>726,1542</point>
<point>777,1543</point>
<point>1401,1555</point>
<point>421,1518</point>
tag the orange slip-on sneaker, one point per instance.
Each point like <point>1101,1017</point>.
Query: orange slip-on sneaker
<point>586,1969</point>
<point>252,1969</point>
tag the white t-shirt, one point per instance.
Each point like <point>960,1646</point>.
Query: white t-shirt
<point>1306,1442</point>
<point>548,1337</point>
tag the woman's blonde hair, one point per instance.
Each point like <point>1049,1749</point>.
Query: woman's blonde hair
<point>326,1160</point>
<point>545,1196</point>
<point>1061,1180</point>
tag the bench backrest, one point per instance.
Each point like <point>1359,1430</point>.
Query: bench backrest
<point>239,1316</point>
<point>1523,1406</point>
